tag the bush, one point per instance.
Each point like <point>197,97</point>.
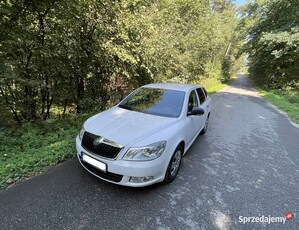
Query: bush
<point>30,149</point>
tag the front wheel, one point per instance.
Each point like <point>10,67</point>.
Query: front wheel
<point>174,165</point>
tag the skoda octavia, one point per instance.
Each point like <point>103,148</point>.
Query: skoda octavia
<point>141,140</point>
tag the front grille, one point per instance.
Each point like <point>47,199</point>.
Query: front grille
<point>106,175</point>
<point>102,149</point>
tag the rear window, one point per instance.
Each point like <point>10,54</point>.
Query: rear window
<point>201,95</point>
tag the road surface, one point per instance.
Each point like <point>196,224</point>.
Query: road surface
<point>247,165</point>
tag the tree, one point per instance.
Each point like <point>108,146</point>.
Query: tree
<point>80,55</point>
<point>272,35</point>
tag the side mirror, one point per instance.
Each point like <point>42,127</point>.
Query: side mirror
<point>196,111</point>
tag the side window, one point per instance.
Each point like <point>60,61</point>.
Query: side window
<point>193,102</point>
<point>201,95</point>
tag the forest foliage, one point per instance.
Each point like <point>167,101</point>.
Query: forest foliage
<point>270,29</point>
<point>58,57</point>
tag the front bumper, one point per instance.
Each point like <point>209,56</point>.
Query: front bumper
<point>120,171</point>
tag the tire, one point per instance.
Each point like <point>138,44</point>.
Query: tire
<point>174,165</point>
<point>205,128</point>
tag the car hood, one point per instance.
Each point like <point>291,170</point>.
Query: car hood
<point>124,126</point>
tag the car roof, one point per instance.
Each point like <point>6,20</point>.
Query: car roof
<point>173,86</point>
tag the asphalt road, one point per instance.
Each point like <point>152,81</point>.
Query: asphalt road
<point>246,165</point>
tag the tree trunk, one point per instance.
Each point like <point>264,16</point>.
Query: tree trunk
<point>80,92</point>
<point>14,112</point>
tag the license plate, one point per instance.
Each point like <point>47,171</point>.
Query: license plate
<point>98,164</point>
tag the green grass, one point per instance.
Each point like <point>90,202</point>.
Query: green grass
<point>32,148</point>
<point>213,85</point>
<point>286,100</point>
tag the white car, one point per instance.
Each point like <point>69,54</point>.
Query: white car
<point>141,140</point>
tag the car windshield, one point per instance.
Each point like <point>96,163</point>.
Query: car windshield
<point>161,102</point>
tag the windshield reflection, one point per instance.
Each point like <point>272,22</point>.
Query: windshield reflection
<point>160,102</point>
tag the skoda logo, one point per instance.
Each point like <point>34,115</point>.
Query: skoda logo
<point>98,140</point>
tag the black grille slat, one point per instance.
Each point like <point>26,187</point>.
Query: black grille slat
<point>112,151</point>
<point>106,149</point>
<point>115,152</point>
<point>102,149</point>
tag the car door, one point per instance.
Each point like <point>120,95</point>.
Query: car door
<point>194,122</point>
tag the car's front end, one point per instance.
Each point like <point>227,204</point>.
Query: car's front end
<point>136,166</point>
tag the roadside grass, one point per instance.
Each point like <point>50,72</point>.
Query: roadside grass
<point>28,150</point>
<point>213,85</point>
<point>285,99</point>
<point>32,148</point>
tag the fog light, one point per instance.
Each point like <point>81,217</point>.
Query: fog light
<point>141,179</point>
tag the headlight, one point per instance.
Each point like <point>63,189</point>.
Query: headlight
<point>146,153</point>
<point>81,133</point>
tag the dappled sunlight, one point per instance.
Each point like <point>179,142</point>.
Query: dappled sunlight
<point>220,220</point>
<point>228,106</point>
<point>241,86</point>
<point>240,91</point>
<point>58,144</point>
<point>119,112</point>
